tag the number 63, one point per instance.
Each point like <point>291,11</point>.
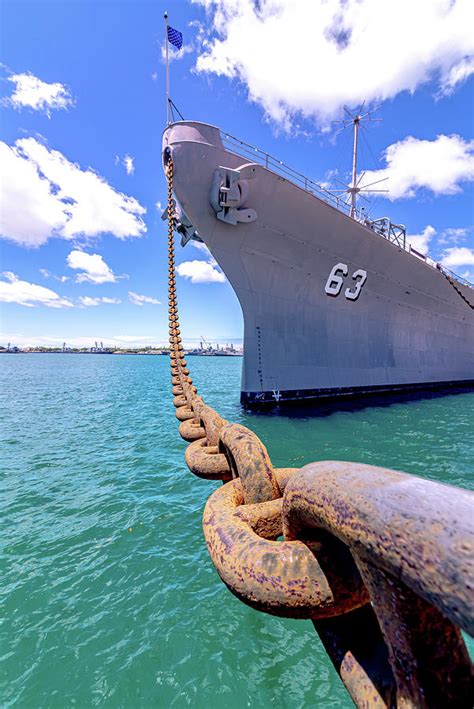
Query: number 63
<point>335,282</point>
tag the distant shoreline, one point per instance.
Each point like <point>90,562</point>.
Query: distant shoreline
<point>119,352</point>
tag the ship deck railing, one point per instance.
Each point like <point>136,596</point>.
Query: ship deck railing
<point>460,279</point>
<point>269,161</point>
<point>394,233</point>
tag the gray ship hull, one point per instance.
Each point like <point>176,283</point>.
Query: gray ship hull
<point>330,307</point>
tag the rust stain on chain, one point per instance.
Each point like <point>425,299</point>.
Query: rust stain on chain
<point>380,561</point>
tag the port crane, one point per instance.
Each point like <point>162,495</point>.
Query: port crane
<point>205,342</point>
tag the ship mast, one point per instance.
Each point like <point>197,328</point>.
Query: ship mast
<point>354,188</point>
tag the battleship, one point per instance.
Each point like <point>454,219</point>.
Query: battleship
<point>334,304</point>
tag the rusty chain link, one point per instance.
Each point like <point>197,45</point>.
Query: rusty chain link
<point>380,561</point>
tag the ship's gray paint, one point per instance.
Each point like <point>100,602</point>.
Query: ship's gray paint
<point>408,326</point>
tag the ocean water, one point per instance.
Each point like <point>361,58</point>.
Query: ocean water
<point>109,596</point>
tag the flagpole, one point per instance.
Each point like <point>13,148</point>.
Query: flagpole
<point>167,73</point>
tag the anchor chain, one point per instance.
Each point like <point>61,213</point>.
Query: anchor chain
<point>458,291</point>
<point>380,561</point>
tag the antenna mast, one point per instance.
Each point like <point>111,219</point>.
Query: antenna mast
<point>354,189</point>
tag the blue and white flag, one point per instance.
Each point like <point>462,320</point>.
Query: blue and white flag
<point>175,38</point>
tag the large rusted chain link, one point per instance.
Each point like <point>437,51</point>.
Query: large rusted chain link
<point>412,541</point>
<point>384,579</point>
<point>249,460</point>
<point>282,578</point>
<point>202,456</point>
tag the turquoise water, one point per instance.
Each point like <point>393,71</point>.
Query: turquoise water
<point>95,614</point>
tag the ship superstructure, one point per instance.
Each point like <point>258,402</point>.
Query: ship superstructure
<point>334,304</point>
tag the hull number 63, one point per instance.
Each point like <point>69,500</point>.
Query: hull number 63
<point>335,281</point>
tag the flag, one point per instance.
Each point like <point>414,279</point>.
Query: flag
<point>175,38</point>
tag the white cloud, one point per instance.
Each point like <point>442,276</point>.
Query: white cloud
<point>14,290</point>
<point>458,256</point>
<point>200,272</point>
<point>457,75</point>
<point>314,56</point>
<point>45,195</point>
<point>159,206</point>
<point>138,299</point>
<point>92,266</point>
<point>31,92</point>
<point>47,274</point>
<point>453,256</point>
<point>421,242</point>
<point>88,301</point>
<point>127,162</point>
<point>173,53</point>
<point>454,235</point>
<point>201,246</point>
<point>330,178</point>
<point>439,165</point>
<point>30,212</point>
<point>200,28</point>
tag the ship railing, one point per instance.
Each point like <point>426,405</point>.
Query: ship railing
<point>240,147</point>
<point>460,279</point>
<point>397,234</point>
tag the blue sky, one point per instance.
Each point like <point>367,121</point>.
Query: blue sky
<point>83,248</point>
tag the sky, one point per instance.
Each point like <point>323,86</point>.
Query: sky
<point>82,110</point>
